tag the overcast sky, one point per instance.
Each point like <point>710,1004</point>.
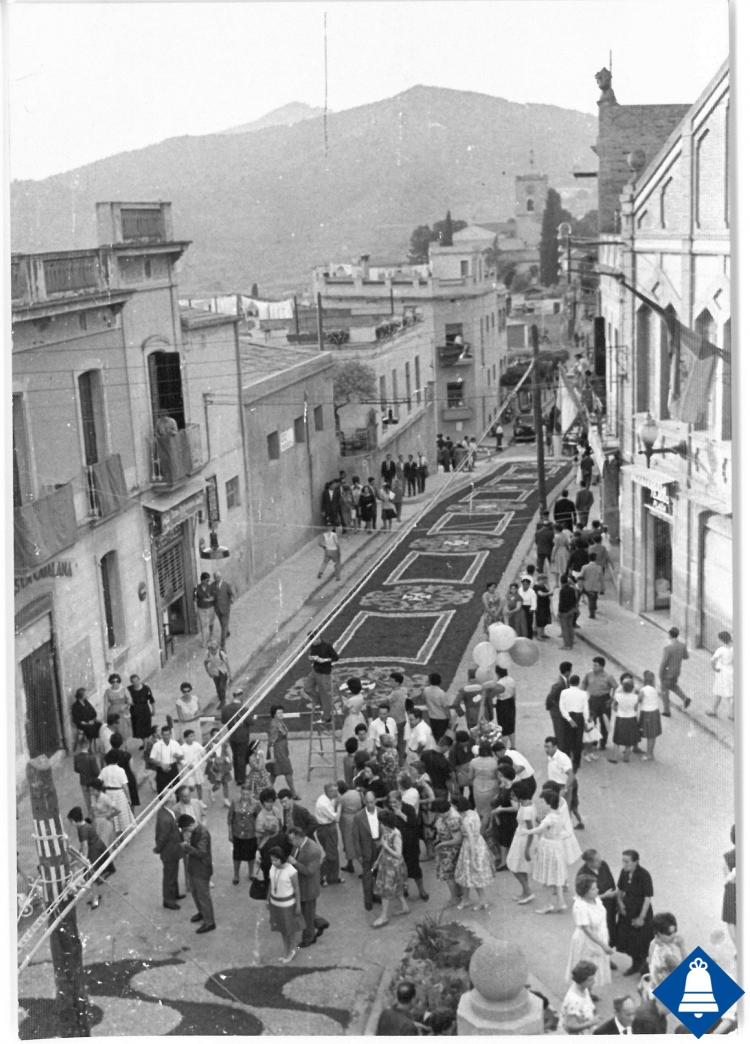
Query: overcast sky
<point>92,79</point>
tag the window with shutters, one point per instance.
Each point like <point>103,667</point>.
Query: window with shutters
<point>113,614</point>
<point>171,572</point>
<point>272,442</point>
<point>318,418</point>
<point>233,493</point>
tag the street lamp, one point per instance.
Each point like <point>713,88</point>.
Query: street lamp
<point>648,434</point>
<point>215,550</point>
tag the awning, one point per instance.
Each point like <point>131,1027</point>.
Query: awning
<point>651,477</point>
<point>176,507</point>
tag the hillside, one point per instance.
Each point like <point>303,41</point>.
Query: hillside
<point>285,116</point>
<point>267,205</point>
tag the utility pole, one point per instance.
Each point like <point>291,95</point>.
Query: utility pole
<point>65,943</point>
<point>536,378</point>
<point>320,322</point>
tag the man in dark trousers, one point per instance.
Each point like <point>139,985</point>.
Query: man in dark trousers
<point>318,684</point>
<point>544,539</point>
<point>168,846</point>
<point>239,741</point>
<point>621,1022</point>
<point>410,474</point>
<point>306,858</point>
<point>366,837</point>
<point>223,598</point>
<point>196,845</point>
<point>552,703</point>
<point>584,503</point>
<point>397,1021</point>
<point>567,610</point>
<point>674,653</point>
<point>388,469</point>
<point>564,511</point>
<point>587,467</point>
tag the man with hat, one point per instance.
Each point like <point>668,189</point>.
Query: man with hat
<point>239,741</point>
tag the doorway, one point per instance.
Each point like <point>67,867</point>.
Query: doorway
<point>43,732</point>
<point>662,559</point>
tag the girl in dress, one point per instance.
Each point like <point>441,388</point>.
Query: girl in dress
<point>549,866</point>
<point>722,662</point>
<point>447,846</point>
<point>649,715</point>
<point>519,858</point>
<point>241,830</point>
<point>474,866</point>
<point>187,711</point>
<point>116,784</point>
<point>103,812</point>
<point>117,701</point>
<point>624,705</point>
<point>590,939</point>
<point>577,1011</point>
<point>391,878</point>
<point>558,564</point>
<point>571,848</point>
<point>219,768</point>
<point>493,606</point>
<point>284,904</point>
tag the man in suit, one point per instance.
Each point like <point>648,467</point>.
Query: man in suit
<point>564,511</point>
<point>239,741</point>
<point>196,844</point>
<point>584,503</point>
<point>306,858</point>
<point>552,703</point>
<point>366,836</point>
<point>621,1023</point>
<point>223,598</point>
<point>388,469</point>
<point>168,846</point>
<point>674,653</point>
<point>296,815</point>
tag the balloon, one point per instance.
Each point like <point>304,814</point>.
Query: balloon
<point>484,654</point>
<point>503,659</point>
<point>501,636</point>
<point>485,674</point>
<point>524,652</point>
<point>553,630</point>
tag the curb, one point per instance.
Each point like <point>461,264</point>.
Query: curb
<point>375,985</point>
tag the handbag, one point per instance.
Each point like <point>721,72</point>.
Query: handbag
<point>258,884</point>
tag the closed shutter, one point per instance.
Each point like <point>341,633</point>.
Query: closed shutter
<point>716,610</point>
<point>43,733</point>
<point>170,568</point>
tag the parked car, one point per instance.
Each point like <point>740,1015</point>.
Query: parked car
<point>523,428</point>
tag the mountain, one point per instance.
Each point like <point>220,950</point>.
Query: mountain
<point>268,205</point>
<point>285,116</point>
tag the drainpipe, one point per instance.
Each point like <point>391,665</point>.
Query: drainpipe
<point>245,461</point>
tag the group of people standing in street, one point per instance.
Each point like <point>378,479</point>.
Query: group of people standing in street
<point>356,505</point>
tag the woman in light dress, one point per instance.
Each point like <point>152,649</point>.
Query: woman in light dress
<point>353,704</point>
<point>558,564</point>
<point>351,804</point>
<point>474,865</point>
<point>590,939</point>
<point>571,848</point>
<point>549,865</point>
<point>187,712</point>
<point>116,786</point>
<point>577,1011</point>
<point>117,701</point>
<point>493,606</point>
<point>519,858</point>
<point>649,714</point>
<point>722,662</point>
<point>484,782</point>
<point>391,878</point>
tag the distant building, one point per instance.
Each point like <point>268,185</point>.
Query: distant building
<point>531,199</point>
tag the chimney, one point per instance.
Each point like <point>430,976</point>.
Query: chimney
<point>364,261</point>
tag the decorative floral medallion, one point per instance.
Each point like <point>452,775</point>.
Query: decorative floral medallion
<point>458,542</point>
<point>417,597</point>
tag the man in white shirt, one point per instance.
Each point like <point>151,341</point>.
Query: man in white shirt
<point>366,836</point>
<point>417,736</point>
<point>328,814</point>
<point>166,758</point>
<point>192,752</point>
<point>527,594</point>
<point>522,765</point>
<point>574,709</point>
<point>384,723</point>
<point>329,541</point>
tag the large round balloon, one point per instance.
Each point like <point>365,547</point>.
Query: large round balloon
<point>503,659</point>
<point>553,630</point>
<point>484,654</point>
<point>485,674</point>
<point>524,652</point>
<point>501,636</point>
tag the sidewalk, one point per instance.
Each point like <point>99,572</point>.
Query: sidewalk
<point>633,642</point>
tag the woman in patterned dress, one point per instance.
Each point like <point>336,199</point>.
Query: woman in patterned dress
<point>391,877</point>
<point>577,1011</point>
<point>550,865</point>
<point>448,840</point>
<point>474,865</point>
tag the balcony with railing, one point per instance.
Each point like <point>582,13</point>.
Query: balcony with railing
<point>174,457</point>
<point>104,492</point>
<point>455,354</point>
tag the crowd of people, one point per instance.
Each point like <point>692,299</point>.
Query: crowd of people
<point>351,506</point>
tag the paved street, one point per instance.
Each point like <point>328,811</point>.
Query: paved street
<point>150,975</point>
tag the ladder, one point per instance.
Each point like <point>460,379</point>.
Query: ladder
<point>321,743</point>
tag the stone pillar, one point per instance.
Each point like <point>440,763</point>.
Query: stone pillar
<point>499,1004</point>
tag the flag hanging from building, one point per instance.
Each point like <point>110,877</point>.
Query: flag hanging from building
<point>568,403</point>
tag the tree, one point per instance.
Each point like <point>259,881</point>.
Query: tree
<point>254,291</point>
<point>587,227</point>
<point>554,214</point>
<point>353,380</point>
<point>446,238</point>
<point>423,235</point>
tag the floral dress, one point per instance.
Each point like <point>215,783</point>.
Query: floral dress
<point>116,784</point>
<point>474,866</point>
<point>447,830</point>
<point>391,867</point>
